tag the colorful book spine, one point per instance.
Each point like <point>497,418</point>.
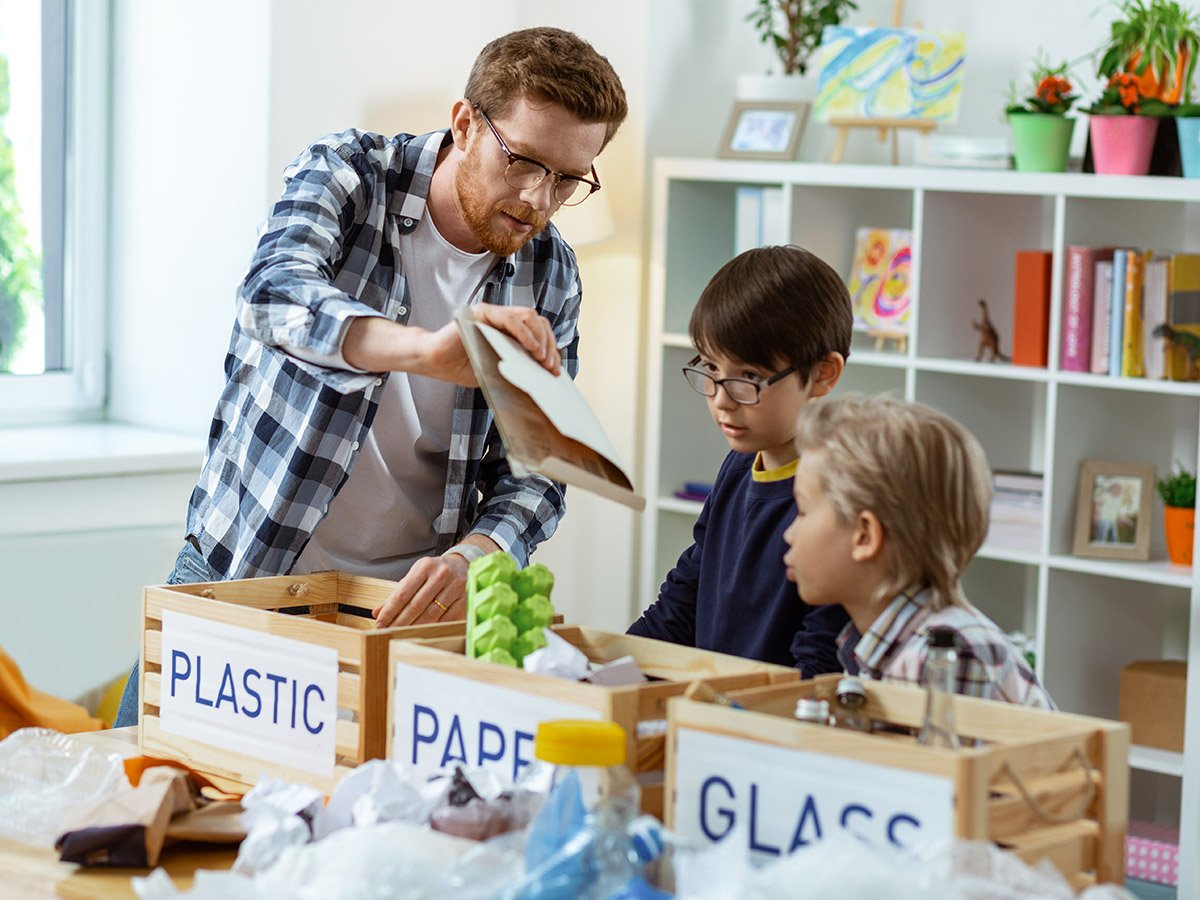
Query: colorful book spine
<point>1101,315</point>
<point>1154,306</point>
<point>1131,325</point>
<point>1031,308</point>
<point>1183,309</point>
<point>1116,319</point>
<point>1076,350</point>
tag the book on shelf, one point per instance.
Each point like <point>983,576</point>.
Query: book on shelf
<point>1018,480</point>
<point>1079,278</point>
<point>1025,536</point>
<point>1183,307</point>
<point>1154,313</point>
<point>879,285</point>
<point>1116,319</point>
<point>1101,312</point>
<point>758,218</point>
<point>1031,308</point>
<point>1131,324</point>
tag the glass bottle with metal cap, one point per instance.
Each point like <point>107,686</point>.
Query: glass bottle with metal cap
<point>941,672</point>
<point>849,713</point>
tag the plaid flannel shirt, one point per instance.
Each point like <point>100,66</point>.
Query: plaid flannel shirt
<point>893,649</point>
<point>290,420</point>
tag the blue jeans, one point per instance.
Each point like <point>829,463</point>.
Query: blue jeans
<point>190,568</point>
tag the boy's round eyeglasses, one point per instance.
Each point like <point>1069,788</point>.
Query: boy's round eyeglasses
<point>524,173</point>
<point>745,391</point>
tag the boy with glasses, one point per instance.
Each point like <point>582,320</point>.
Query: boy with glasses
<point>772,329</point>
<point>350,433</point>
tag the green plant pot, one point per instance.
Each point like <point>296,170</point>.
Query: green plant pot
<point>1041,142</point>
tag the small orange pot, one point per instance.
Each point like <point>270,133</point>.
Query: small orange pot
<point>1180,525</point>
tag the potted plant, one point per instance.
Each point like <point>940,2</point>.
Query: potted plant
<point>1187,126</point>
<point>1178,493</point>
<point>1041,129</point>
<point>1146,64</point>
<point>793,29</point>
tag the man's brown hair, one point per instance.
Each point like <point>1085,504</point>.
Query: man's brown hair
<point>774,306</point>
<point>548,64</point>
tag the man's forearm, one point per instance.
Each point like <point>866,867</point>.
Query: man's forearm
<point>376,344</point>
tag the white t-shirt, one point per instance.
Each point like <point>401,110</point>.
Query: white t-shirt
<point>382,520</point>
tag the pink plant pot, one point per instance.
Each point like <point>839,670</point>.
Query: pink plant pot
<point>1122,145</point>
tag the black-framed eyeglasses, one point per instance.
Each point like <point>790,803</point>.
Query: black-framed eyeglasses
<point>524,173</point>
<point>745,391</point>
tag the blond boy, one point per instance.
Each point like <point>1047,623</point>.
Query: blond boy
<point>891,505</point>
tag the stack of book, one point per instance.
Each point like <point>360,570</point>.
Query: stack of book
<point>1016,516</point>
<point>1114,300</point>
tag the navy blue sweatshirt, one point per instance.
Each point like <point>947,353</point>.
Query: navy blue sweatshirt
<point>729,591</point>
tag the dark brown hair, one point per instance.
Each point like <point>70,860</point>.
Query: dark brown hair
<point>548,64</point>
<point>774,306</point>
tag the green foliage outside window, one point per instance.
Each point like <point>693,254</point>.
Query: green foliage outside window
<point>20,268</point>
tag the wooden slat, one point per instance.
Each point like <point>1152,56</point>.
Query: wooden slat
<point>1071,848</point>
<point>1058,794</point>
<point>660,659</point>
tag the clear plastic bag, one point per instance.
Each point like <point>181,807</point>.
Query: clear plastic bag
<point>44,773</point>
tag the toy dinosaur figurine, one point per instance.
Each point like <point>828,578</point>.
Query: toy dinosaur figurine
<point>1185,341</point>
<point>989,337</point>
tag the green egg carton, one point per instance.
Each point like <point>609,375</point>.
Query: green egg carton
<point>508,609</point>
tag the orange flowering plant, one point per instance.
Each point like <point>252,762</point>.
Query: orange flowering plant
<point>1052,91</point>
<point>1125,95</point>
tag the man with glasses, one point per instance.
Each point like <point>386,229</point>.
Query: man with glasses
<point>772,331</point>
<point>351,434</point>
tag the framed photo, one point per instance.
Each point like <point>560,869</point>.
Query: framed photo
<point>1112,511</point>
<point>763,129</point>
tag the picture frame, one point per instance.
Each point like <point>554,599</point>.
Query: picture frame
<point>1112,510</point>
<point>763,129</point>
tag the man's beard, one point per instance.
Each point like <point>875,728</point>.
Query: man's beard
<point>478,213</point>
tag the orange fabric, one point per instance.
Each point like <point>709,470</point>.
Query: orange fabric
<point>136,766</point>
<point>22,706</point>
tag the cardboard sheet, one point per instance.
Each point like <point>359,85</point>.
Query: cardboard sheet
<point>546,425</point>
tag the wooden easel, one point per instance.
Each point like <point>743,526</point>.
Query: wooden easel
<point>883,126</point>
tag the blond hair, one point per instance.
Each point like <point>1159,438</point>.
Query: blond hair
<point>923,475</point>
<point>548,64</point>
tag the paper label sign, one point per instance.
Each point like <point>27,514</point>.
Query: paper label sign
<point>782,799</point>
<point>242,690</point>
<point>439,720</point>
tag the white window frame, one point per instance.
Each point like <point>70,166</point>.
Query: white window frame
<point>78,391</point>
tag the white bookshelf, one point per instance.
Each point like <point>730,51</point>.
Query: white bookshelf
<point>1089,616</point>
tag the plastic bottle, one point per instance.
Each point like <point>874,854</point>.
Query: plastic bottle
<point>851,703</point>
<point>578,845</point>
<point>809,709</point>
<point>941,670</point>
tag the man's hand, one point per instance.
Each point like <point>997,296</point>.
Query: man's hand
<point>434,590</point>
<point>447,358</point>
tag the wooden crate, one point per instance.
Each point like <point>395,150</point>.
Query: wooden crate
<point>321,613</point>
<point>487,714</point>
<point>1041,784</point>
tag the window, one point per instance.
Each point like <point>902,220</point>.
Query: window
<point>53,103</point>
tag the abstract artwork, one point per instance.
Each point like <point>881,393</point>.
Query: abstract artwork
<point>889,73</point>
<point>879,279</point>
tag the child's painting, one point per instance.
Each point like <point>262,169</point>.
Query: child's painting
<point>889,73</point>
<point>879,284</point>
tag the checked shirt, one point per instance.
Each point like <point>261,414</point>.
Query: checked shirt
<point>291,417</point>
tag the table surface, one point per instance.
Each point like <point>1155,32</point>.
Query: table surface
<point>32,873</point>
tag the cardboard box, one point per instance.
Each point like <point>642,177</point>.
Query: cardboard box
<point>235,688</point>
<point>445,709</point>
<point>1152,853</point>
<point>1152,702</point>
<point>1044,785</point>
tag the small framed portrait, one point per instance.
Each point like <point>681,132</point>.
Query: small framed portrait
<point>763,129</point>
<point>1112,511</point>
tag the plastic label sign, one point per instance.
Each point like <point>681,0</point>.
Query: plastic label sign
<point>779,799</point>
<point>439,720</point>
<point>242,690</point>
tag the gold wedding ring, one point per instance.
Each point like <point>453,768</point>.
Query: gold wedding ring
<point>439,606</point>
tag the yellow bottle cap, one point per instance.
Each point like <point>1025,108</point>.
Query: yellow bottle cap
<point>570,742</point>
